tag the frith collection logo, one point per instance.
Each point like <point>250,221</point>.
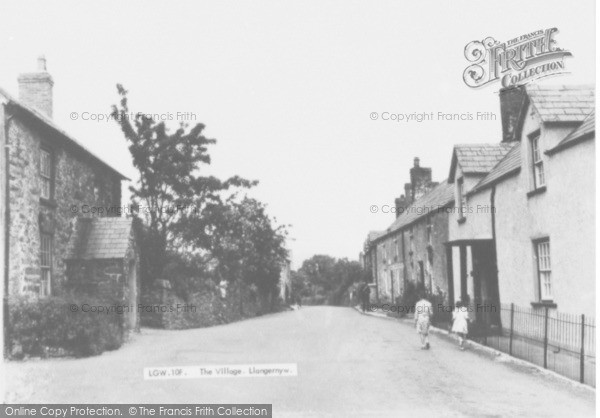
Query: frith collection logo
<point>515,62</point>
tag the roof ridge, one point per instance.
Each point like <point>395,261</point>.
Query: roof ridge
<point>479,144</point>
<point>49,122</point>
<point>406,213</point>
<point>556,86</point>
<point>482,182</point>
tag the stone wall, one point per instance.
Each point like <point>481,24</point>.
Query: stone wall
<point>162,308</point>
<point>78,181</point>
<point>104,280</point>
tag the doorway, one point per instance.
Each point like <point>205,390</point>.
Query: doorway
<point>485,283</point>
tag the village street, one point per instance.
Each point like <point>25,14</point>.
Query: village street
<point>348,364</point>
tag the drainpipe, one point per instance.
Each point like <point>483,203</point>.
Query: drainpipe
<point>494,249</point>
<point>374,270</point>
<point>404,269</point>
<point>492,203</point>
<point>6,235</point>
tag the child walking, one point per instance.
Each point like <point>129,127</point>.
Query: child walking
<point>460,325</point>
<point>423,312</point>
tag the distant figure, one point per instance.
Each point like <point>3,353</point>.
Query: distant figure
<point>366,296</point>
<point>423,313</point>
<point>460,323</point>
<point>298,301</point>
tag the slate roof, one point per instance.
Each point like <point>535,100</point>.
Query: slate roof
<point>438,197</point>
<point>562,103</point>
<point>511,163</point>
<point>586,130</point>
<point>477,158</point>
<point>50,124</point>
<point>373,235</point>
<point>99,238</point>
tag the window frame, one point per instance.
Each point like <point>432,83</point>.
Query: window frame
<point>46,264</point>
<point>384,254</point>
<point>430,234</point>
<point>544,273</point>
<point>537,161</point>
<point>461,198</point>
<point>46,177</point>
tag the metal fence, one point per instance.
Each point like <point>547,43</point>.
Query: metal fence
<point>564,343</point>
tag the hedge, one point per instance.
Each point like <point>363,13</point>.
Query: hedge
<point>42,327</point>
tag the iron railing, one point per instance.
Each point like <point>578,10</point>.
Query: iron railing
<point>562,342</point>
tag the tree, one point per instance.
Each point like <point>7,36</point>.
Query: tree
<point>245,244</point>
<point>326,279</point>
<point>171,188</point>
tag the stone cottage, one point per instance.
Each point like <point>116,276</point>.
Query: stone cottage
<point>412,249</point>
<point>48,179</point>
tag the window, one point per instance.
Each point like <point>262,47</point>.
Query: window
<point>539,178</point>
<point>46,264</point>
<point>544,269</point>
<point>462,198</point>
<point>396,251</point>
<point>430,234</point>
<point>96,191</point>
<point>412,242</point>
<point>46,173</point>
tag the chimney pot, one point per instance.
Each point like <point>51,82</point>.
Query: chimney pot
<point>41,63</point>
<point>417,161</point>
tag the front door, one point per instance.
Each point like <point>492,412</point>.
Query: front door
<point>485,285</point>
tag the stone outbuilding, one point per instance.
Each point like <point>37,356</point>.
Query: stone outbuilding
<point>103,262</point>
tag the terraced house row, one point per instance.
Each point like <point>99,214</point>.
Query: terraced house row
<point>512,223</point>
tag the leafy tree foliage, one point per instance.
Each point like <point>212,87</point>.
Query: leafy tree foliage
<point>246,245</point>
<point>324,279</point>
<point>171,188</point>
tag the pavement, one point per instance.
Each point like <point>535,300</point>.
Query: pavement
<point>349,364</point>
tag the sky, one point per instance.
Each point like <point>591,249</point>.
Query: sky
<point>287,89</point>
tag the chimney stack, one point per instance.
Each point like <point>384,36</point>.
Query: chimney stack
<point>35,89</point>
<point>420,179</point>
<point>402,203</point>
<point>512,100</point>
<point>420,184</point>
<point>408,192</point>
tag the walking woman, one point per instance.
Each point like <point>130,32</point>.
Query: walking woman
<point>460,324</point>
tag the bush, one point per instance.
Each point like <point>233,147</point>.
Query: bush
<point>43,327</point>
<point>442,315</point>
<point>410,296</point>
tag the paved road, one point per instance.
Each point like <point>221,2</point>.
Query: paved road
<point>349,364</point>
